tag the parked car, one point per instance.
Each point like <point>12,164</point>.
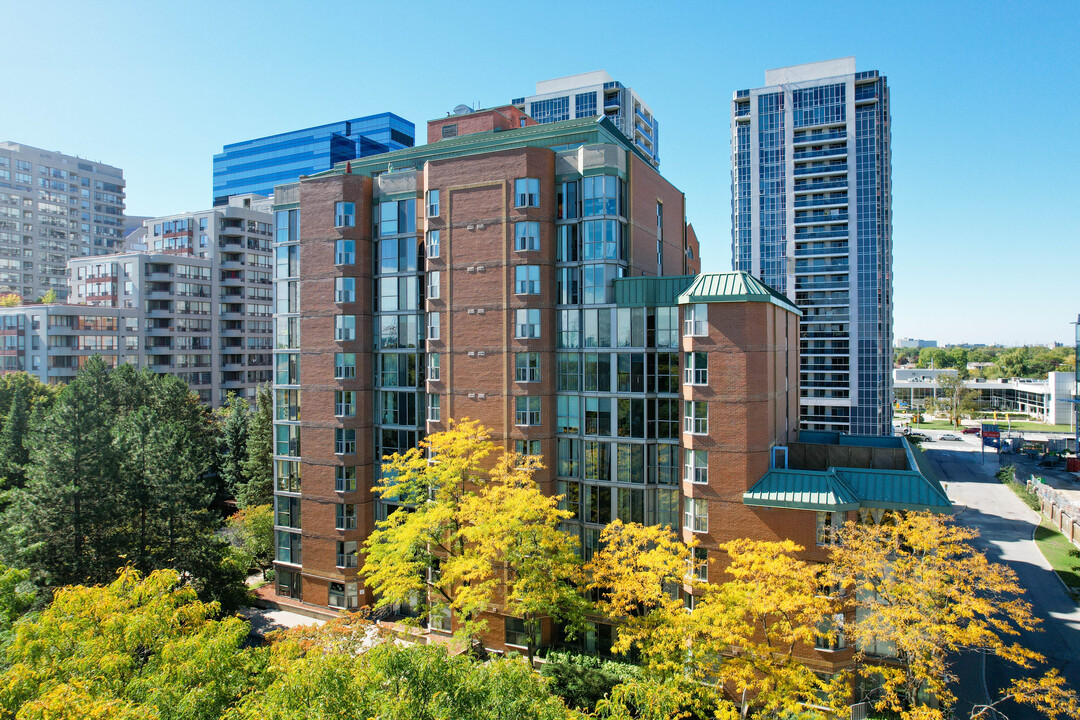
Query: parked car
<point>916,437</point>
<point>949,436</point>
<point>972,431</point>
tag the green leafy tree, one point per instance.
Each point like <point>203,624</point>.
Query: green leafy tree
<point>49,297</point>
<point>941,358</point>
<point>954,398</point>
<point>394,682</point>
<point>234,442</point>
<point>138,647</point>
<point>10,300</point>
<point>1014,363</point>
<point>583,680</point>
<point>35,393</point>
<point>253,529</point>
<point>16,597</point>
<point>258,487</point>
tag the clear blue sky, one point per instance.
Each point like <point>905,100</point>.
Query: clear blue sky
<point>984,109</point>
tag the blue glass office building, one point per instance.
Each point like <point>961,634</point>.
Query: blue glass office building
<point>811,215</point>
<point>256,166</point>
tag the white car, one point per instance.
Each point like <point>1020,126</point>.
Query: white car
<point>949,436</point>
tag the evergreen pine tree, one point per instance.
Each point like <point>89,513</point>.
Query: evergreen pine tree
<point>258,467</point>
<point>13,450</point>
<point>234,449</point>
<point>66,515</point>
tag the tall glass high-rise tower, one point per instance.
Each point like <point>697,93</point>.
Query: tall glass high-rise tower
<point>811,215</point>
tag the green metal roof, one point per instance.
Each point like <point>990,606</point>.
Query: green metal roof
<point>733,287</point>
<point>650,291</point>
<point>801,490</point>
<point>894,489</point>
<point>838,489</point>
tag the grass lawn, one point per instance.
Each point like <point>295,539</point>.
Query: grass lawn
<point>933,425</point>
<point>1030,426</point>
<point>1002,425</point>
<point>1060,553</point>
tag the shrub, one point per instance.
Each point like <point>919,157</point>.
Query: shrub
<point>581,680</point>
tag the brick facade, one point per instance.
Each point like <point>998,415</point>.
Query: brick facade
<point>752,347</point>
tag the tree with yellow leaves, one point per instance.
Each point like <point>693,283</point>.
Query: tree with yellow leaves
<point>924,596</point>
<point>472,534</point>
<point>140,647</point>
<point>740,637</point>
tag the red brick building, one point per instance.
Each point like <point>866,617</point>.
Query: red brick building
<point>541,279</point>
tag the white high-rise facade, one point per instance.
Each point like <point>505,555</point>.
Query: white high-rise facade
<point>812,217</point>
<point>54,207</point>
<point>596,94</point>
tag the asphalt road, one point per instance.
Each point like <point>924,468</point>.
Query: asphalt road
<point>1006,526</point>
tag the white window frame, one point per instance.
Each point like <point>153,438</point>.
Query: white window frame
<point>342,293</point>
<point>344,214</point>
<point>342,331</point>
<point>827,524</point>
<point>697,565</point>
<point>343,371</point>
<point>693,471</point>
<point>434,408</point>
<point>345,403</point>
<point>433,325</point>
<point>433,282</point>
<point>695,322</point>
<point>530,373</point>
<point>346,553</point>
<point>822,643</point>
<point>433,203</point>
<point>526,236</point>
<point>432,244</point>
<point>343,256</point>
<point>527,323</point>
<point>694,375</point>
<point>343,483</point>
<point>695,515</point>
<point>527,280</point>
<point>527,413</point>
<point>342,445</point>
<point>433,368</point>
<point>692,424</point>
<point>527,192</point>
<point>343,520</point>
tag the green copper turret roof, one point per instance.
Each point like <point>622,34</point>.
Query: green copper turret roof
<point>733,287</point>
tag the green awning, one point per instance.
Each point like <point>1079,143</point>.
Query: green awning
<point>838,489</point>
<point>801,490</point>
<point>895,490</point>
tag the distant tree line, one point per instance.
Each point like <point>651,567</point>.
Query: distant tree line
<point>1027,362</point>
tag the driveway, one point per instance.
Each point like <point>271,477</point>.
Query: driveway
<point>1006,525</point>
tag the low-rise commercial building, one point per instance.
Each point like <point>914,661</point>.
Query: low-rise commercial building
<point>909,342</point>
<point>1047,400</point>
